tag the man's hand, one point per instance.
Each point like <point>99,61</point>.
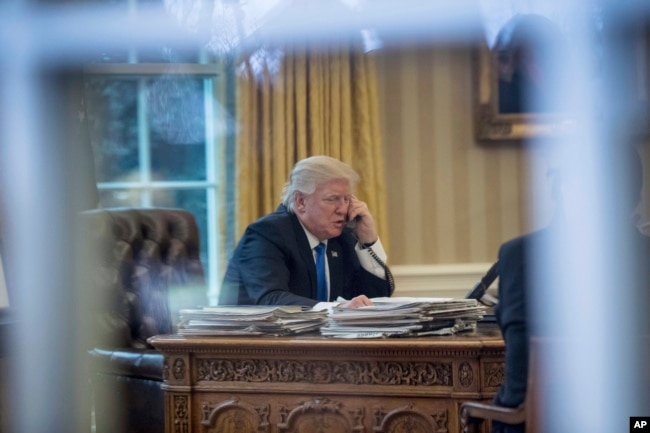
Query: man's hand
<point>359,301</point>
<point>365,230</point>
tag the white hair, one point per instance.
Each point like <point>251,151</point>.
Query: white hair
<point>310,172</point>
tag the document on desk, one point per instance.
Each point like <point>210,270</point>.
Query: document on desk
<point>250,320</point>
<point>404,317</point>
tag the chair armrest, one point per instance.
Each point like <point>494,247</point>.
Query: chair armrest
<point>137,363</point>
<point>472,415</point>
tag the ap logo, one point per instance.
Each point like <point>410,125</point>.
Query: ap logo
<point>639,424</point>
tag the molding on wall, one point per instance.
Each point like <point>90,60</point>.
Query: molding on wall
<point>444,281</point>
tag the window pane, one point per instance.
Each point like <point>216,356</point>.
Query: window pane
<point>177,128</point>
<point>113,124</point>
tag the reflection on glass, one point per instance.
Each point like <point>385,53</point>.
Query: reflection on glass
<point>175,128</point>
<point>191,200</point>
<point>166,54</point>
<point>177,121</point>
<point>120,198</point>
<point>526,50</point>
<point>113,123</point>
<point>195,202</point>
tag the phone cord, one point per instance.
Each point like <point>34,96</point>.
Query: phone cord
<point>389,274</point>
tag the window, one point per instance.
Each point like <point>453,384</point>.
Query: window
<point>159,138</point>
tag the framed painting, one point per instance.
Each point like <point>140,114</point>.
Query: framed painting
<point>514,81</point>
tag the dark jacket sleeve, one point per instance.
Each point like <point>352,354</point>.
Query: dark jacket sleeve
<point>267,267</point>
<point>511,315</point>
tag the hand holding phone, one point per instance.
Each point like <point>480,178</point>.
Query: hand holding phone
<point>352,223</point>
<point>360,220</point>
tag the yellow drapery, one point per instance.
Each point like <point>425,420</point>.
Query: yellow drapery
<point>301,101</point>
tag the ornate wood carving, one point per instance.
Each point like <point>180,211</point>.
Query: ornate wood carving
<point>181,414</point>
<point>465,375</point>
<point>407,419</point>
<point>177,370</point>
<point>320,415</point>
<point>494,373</point>
<point>310,384</point>
<point>235,416</point>
<point>327,372</point>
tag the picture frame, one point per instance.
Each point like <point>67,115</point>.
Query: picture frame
<point>493,125</point>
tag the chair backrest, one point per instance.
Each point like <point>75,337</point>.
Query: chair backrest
<point>531,412</point>
<point>146,266</point>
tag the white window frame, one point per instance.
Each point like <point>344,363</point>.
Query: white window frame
<point>146,186</point>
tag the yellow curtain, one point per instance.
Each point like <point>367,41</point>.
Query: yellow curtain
<point>301,101</point>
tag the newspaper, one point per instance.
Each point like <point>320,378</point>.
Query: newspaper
<point>250,320</point>
<point>404,317</point>
<point>387,317</point>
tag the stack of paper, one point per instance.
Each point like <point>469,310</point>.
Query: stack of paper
<point>404,317</point>
<point>250,320</point>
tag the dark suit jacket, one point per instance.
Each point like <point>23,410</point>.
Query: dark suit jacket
<point>512,316</point>
<point>274,265</point>
<point>516,318</point>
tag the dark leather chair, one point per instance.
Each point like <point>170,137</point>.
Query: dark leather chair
<point>146,267</point>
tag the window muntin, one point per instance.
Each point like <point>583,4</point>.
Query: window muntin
<point>154,144</point>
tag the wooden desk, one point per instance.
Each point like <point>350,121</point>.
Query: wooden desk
<point>312,384</point>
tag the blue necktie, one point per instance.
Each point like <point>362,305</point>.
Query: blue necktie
<point>320,272</point>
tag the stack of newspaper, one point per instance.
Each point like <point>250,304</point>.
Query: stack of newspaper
<point>250,320</point>
<point>404,317</point>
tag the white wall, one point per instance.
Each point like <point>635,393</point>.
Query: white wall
<point>438,281</point>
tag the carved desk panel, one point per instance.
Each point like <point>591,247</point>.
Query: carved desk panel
<point>313,384</point>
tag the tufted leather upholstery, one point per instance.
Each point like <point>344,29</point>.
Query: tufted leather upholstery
<point>146,267</point>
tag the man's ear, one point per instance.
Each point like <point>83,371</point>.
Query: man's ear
<point>299,202</point>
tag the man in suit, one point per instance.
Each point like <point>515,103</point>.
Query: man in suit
<point>516,273</point>
<point>512,318</point>
<point>275,262</point>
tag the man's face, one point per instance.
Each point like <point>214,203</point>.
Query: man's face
<point>324,213</point>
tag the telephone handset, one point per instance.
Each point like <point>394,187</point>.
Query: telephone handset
<point>479,289</point>
<point>352,224</point>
